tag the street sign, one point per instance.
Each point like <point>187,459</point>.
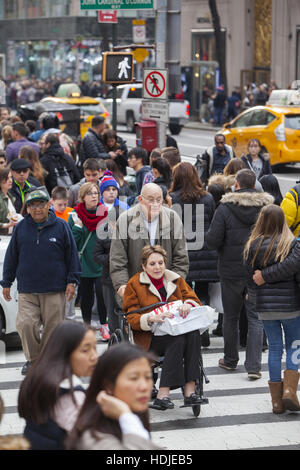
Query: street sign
<point>139,31</point>
<point>116,4</point>
<point>155,84</point>
<point>117,67</point>
<point>140,54</point>
<point>108,16</point>
<point>155,110</point>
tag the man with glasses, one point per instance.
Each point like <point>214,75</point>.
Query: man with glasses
<point>23,182</point>
<point>148,222</point>
<point>42,256</point>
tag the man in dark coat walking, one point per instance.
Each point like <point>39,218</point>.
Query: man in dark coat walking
<point>228,233</point>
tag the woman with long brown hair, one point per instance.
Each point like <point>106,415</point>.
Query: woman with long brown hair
<point>197,208</point>
<point>37,171</point>
<point>277,303</point>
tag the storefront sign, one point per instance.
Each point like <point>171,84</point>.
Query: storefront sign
<point>116,4</point>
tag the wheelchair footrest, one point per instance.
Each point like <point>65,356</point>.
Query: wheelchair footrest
<point>204,401</point>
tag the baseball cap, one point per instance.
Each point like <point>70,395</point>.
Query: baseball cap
<point>39,194</point>
<point>19,164</point>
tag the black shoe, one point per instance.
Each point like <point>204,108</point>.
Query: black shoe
<point>154,392</point>
<point>205,341</point>
<point>26,367</point>
<point>193,399</point>
<point>163,404</point>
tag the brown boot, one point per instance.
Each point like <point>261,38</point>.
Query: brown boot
<point>276,389</point>
<point>290,385</point>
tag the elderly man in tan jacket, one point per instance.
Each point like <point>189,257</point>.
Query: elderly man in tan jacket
<point>149,222</point>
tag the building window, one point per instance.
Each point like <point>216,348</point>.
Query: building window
<point>10,9</point>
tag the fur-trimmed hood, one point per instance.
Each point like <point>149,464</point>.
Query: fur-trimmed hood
<point>247,198</point>
<point>245,204</point>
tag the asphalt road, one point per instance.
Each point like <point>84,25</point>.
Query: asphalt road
<point>192,142</point>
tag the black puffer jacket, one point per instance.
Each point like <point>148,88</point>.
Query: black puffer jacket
<point>92,147</point>
<point>203,262</point>
<point>231,227</point>
<point>282,296</point>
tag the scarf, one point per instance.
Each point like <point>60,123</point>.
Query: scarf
<point>91,219</point>
<point>159,285</point>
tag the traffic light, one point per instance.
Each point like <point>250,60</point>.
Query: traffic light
<point>117,67</point>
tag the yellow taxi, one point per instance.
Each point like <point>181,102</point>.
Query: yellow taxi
<point>69,93</point>
<point>276,126</point>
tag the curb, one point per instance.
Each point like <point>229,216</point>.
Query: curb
<point>201,127</point>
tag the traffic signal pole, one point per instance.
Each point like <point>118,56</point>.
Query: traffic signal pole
<point>161,39</point>
<point>114,103</point>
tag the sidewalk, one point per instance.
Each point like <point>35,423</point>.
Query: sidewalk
<point>206,126</point>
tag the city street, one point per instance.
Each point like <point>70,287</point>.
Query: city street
<point>238,415</point>
<point>192,141</point>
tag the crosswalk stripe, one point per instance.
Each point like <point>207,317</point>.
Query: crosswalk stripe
<point>238,415</point>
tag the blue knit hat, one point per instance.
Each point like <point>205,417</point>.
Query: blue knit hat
<point>108,180</point>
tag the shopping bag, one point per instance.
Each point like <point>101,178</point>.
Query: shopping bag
<point>199,318</point>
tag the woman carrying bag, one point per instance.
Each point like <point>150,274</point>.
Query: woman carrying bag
<point>83,222</point>
<point>158,284</point>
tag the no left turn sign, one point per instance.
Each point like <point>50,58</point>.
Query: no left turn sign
<point>155,84</point>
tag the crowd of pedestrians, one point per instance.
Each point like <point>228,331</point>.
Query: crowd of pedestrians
<point>83,235</point>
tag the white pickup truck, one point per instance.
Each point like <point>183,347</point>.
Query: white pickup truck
<point>129,105</point>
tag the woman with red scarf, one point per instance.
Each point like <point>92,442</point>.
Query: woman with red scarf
<point>85,218</point>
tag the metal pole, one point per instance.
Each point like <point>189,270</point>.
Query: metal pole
<point>161,39</point>
<point>114,103</point>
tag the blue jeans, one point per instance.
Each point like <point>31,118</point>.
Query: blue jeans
<point>291,330</point>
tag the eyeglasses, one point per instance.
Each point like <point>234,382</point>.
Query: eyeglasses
<point>39,205</point>
<point>150,200</point>
<point>90,193</point>
<point>22,171</point>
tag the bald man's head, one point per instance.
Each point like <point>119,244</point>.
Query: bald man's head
<point>151,199</point>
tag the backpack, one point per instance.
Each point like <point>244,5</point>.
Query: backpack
<point>63,176</point>
<point>201,167</point>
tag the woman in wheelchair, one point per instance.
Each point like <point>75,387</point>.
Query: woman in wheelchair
<point>181,353</point>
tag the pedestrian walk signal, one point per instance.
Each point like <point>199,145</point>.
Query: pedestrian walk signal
<point>117,67</point>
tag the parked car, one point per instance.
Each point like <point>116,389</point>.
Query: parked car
<point>276,125</point>
<point>8,310</point>
<point>129,106</point>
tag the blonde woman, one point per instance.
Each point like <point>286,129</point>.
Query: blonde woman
<point>277,303</point>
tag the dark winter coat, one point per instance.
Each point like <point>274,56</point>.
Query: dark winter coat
<point>43,258</point>
<point>266,168</point>
<point>231,227</point>
<point>92,147</point>
<point>203,262</point>
<point>281,296</point>
<point>55,158</point>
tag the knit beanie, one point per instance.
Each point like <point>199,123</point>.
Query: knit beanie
<point>108,180</point>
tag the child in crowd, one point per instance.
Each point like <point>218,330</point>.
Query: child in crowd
<point>59,199</point>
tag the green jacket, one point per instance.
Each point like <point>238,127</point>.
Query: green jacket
<point>4,211</point>
<point>88,265</point>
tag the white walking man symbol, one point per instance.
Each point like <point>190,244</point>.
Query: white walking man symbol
<point>123,66</point>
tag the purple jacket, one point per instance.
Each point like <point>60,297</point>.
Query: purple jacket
<point>12,150</point>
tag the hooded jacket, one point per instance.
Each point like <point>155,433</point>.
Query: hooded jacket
<point>43,258</point>
<point>231,227</point>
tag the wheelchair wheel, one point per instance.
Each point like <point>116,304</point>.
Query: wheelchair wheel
<point>116,338</point>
